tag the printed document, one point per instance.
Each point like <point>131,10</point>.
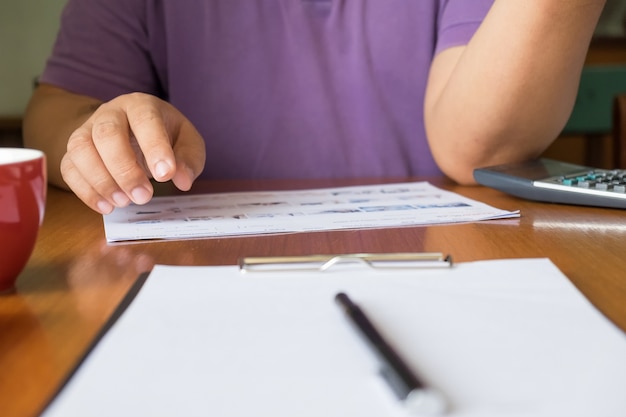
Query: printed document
<point>248,213</point>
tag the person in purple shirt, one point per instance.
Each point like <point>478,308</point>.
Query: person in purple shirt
<point>177,89</point>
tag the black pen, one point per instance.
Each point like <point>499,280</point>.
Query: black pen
<point>417,398</point>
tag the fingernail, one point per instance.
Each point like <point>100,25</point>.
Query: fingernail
<point>162,169</point>
<point>120,199</point>
<point>104,207</point>
<point>192,175</point>
<point>140,195</point>
<point>184,179</point>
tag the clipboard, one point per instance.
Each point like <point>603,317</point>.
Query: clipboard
<point>399,260</point>
<point>214,335</point>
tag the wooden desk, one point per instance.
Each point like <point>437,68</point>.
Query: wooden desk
<point>74,280</point>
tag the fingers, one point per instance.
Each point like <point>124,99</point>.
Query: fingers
<point>190,153</point>
<point>147,120</point>
<point>183,161</point>
<point>101,165</point>
<point>126,135</point>
<point>110,158</point>
<point>83,189</point>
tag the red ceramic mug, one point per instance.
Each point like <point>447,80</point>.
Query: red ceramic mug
<point>22,205</point>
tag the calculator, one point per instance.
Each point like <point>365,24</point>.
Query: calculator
<point>557,182</point>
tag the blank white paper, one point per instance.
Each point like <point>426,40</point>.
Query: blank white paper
<point>498,338</point>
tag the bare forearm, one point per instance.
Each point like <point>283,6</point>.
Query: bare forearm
<point>51,117</point>
<point>507,95</point>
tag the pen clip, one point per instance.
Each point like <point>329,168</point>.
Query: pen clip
<point>402,260</point>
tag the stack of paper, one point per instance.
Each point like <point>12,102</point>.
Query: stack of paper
<point>233,214</point>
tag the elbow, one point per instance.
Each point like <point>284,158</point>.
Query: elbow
<point>459,160</point>
<point>460,166</point>
<point>465,142</point>
<point>460,172</point>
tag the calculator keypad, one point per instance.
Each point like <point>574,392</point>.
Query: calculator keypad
<point>613,181</point>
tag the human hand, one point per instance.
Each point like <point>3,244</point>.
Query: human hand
<point>126,141</point>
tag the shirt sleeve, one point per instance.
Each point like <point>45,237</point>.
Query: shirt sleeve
<point>459,20</point>
<point>102,50</point>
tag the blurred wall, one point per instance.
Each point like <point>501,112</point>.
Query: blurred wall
<point>27,31</point>
<point>612,22</point>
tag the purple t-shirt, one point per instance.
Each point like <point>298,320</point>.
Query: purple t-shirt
<point>277,88</point>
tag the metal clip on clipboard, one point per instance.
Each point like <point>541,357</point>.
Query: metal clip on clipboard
<point>402,260</point>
